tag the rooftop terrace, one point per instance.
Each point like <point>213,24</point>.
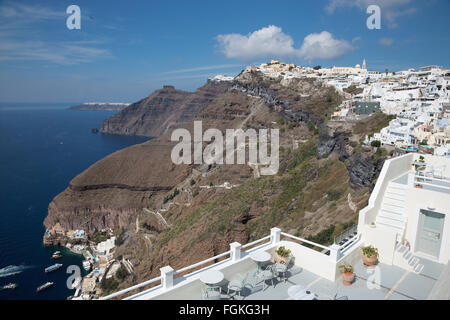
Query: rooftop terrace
<point>314,270</point>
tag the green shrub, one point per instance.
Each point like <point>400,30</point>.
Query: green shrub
<point>346,267</point>
<point>283,252</point>
<point>108,285</point>
<point>324,237</point>
<point>334,195</point>
<point>121,273</point>
<point>173,195</point>
<point>369,251</point>
<point>376,143</point>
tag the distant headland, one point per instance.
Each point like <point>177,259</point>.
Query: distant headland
<point>103,106</point>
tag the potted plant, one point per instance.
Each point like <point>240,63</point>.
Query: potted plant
<point>282,255</point>
<point>370,255</point>
<point>347,274</point>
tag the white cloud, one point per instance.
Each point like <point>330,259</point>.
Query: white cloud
<point>266,42</point>
<point>386,41</point>
<point>19,21</point>
<point>323,46</point>
<point>390,9</point>
<point>64,53</point>
<point>25,12</point>
<point>356,39</point>
<point>272,42</point>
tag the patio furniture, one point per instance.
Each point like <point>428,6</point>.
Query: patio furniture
<point>299,292</point>
<point>266,275</point>
<point>280,268</point>
<point>212,278</point>
<point>259,257</point>
<point>211,294</point>
<point>236,285</point>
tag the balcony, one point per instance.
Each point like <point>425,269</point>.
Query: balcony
<point>315,271</point>
<point>309,259</point>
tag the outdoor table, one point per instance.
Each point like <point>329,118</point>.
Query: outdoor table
<point>211,278</point>
<point>299,292</point>
<point>260,257</point>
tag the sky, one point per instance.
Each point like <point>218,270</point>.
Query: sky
<point>127,49</point>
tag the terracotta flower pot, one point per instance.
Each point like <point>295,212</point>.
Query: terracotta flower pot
<point>347,278</point>
<point>370,261</point>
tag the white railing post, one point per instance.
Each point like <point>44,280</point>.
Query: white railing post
<point>235,251</point>
<point>275,234</point>
<point>167,277</point>
<point>335,253</point>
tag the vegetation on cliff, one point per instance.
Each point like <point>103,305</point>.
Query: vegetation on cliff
<point>175,215</point>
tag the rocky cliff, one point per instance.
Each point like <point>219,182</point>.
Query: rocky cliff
<point>161,111</point>
<point>180,214</point>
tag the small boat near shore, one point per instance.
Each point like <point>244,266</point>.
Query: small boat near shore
<point>56,255</point>
<point>86,265</point>
<point>54,267</point>
<point>44,286</point>
<point>9,286</point>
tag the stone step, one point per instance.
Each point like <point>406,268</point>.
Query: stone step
<point>390,222</point>
<point>393,202</point>
<point>396,229</point>
<point>394,196</point>
<point>418,268</point>
<point>393,208</point>
<point>413,262</point>
<point>392,215</point>
<point>401,249</point>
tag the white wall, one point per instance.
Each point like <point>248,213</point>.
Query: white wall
<point>383,240</point>
<point>311,260</point>
<point>392,169</point>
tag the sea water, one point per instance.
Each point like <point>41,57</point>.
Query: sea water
<point>42,148</point>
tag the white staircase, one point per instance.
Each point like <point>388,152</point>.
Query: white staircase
<point>392,213</point>
<point>405,259</point>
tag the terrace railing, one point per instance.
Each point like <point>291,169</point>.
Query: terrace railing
<point>235,254</point>
<point>440,184</point>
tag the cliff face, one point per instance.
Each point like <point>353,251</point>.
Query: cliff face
<point>180,214</point>
<point>161,111</point>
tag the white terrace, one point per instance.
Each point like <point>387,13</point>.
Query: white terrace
<point>410,214</point>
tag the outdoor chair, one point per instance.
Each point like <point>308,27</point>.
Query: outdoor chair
<point>281,269</point>
<point>211,294</point>
<point>266,275</point>
<point>236,285</point>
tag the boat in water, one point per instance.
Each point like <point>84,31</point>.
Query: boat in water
<point>54,267</point>
<point>44,286</point>
<point>86,265</point>
<point>9,286</point>
<point>56,255</point>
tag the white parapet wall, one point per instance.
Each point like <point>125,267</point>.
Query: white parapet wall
<point>314,261</point>
<point>392,169</point>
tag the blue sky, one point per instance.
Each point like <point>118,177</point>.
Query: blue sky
<point>127,49</point>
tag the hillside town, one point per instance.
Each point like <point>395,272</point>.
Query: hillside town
<point>418,100</point>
